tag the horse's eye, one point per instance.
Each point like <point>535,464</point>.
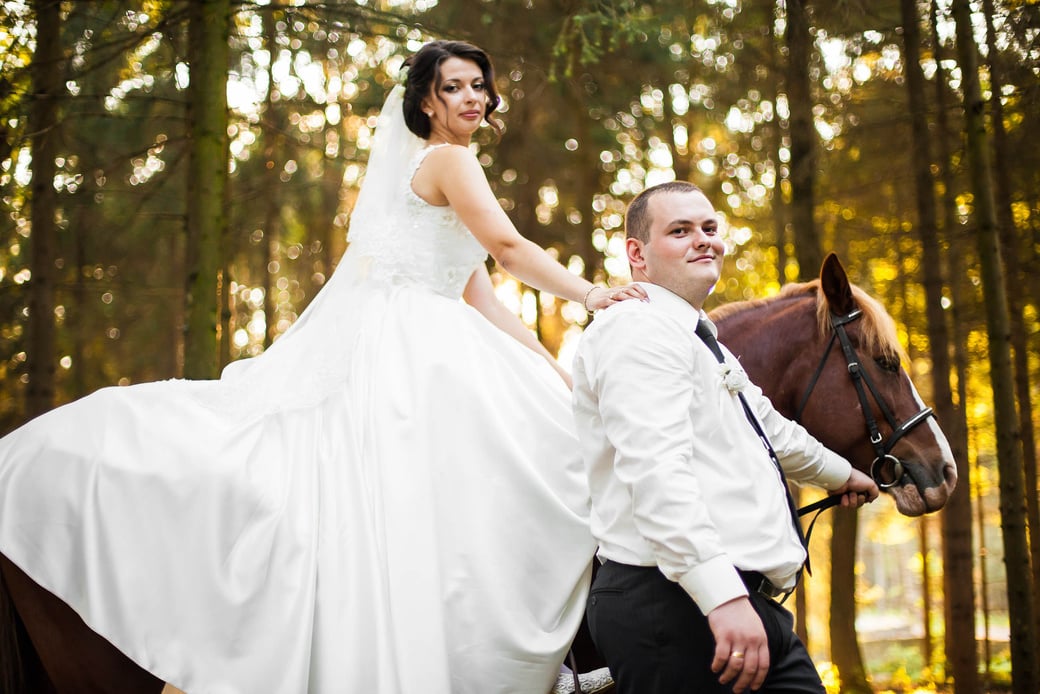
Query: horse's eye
<point>890,364</point>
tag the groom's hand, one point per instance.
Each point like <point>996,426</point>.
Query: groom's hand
<point>741,649</point>
<point>859,489</point>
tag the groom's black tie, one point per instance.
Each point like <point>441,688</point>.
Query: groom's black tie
<point>704,332</point>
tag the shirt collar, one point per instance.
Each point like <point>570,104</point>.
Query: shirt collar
<point>675,306</point>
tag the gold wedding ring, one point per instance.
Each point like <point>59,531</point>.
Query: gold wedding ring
<point>736,654</point>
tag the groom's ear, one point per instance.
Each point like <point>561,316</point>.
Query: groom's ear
<point>634,250</point>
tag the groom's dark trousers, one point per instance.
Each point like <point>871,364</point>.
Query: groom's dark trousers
<point>656,640</point>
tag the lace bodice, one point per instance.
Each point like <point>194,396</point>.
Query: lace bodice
<point>422,244</point>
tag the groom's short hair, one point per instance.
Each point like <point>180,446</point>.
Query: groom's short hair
<point>637,218</point>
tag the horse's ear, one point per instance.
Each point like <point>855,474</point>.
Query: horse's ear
<point>835,285</point>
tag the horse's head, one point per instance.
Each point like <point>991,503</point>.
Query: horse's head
<point>828,356</point>
<point>865,384</point>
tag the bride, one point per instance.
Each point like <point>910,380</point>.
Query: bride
<point>390,499</point>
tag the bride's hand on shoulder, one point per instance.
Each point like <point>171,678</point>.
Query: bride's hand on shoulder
<point>602,297</point>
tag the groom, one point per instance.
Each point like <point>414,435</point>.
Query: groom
<point>697,534</point>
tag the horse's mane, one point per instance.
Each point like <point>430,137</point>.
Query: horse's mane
<point>878,333</point>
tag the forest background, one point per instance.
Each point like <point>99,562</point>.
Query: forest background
<point>176,180</point>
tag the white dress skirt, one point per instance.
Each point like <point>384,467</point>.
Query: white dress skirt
<point>390,499</point>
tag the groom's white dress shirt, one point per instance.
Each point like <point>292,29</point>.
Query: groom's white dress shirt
<point>678,477</point>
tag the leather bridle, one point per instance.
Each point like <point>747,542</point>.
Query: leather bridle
<point>882,447</point>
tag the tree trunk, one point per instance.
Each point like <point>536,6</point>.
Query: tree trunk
<point>801,602</point>
<point>1016,296</point>
<point>47,70</point>
<point>845,651</point>
<point>224,294</point>
<point>808,250</point>
<point>962,659</point>
<point>901,283</point>
<point>76,307</point>
<point>844,646</point>
<point>987,649</point>
<point>270,244</point>
<point>328,236</point>
<point>957,547</point>
<point>1024,673</point>
<point>926,594</point>
<point>208,30</point>
<point>778,202</point>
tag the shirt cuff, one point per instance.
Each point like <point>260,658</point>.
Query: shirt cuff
<point>835,473</point>
<point>713,583</point>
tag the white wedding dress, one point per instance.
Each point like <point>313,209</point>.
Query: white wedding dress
<point>390,499</point>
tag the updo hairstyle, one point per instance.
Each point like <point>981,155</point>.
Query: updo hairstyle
<point>424,75</point>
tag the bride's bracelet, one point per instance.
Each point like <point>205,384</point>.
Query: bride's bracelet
<point>585,299</point>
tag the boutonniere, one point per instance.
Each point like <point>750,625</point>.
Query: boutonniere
<point>733,377</point>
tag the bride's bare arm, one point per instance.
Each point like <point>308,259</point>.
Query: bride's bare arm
<point>480,294</point>
<point>452,175</point>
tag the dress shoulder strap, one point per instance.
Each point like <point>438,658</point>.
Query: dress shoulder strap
<point>420,157</point>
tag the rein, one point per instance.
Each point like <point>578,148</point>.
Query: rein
<point>819,507</point>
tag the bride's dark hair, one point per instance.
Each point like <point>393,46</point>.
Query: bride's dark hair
<point>424,70</point>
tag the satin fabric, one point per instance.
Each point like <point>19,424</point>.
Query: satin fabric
<point>390,499</point>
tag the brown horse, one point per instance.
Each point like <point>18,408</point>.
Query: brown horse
<point>803,348</point>
<point>827,355</point>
